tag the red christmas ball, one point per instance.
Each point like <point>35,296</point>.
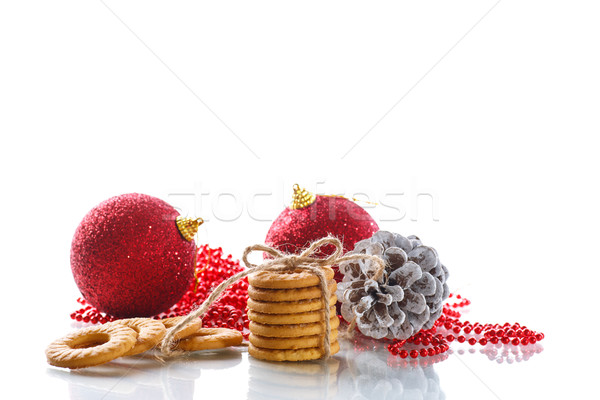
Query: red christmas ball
<point>311,217</point>
<point>129,258</point>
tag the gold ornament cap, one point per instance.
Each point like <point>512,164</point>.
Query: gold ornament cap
<point>302,198</point>
<point>188,227</point>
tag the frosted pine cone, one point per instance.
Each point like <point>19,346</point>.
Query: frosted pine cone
<point>407,298</point>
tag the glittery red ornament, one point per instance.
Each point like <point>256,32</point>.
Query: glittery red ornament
<point>212,268</point>
<point>311,217</point>
<point>129,258</point>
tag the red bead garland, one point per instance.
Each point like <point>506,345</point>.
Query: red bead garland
<point>430,343</point>
<point>230,311</point>
<point>426,343</point>
<point>212,268</point>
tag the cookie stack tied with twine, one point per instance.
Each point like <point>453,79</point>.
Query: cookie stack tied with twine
<point>286,311</point>
<point>287,315</point>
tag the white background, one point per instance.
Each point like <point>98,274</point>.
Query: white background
<point>489,107</point>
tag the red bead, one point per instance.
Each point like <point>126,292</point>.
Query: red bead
<point>489,333</point>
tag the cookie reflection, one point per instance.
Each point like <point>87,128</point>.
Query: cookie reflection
<point>144,376</point>
<point>292,380</point>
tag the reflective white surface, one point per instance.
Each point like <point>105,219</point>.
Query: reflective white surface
<point>350,374</point>
<point>496,121</point>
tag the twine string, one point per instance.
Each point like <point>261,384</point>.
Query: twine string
<point>281,262</point>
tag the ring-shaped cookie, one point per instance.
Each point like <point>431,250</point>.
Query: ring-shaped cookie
<point>91,346</point>
<point>287,331</point>
<point>288,307</point>
<point>287,279</point>
<point>313,353</point>
<point>150,333</point>
<point>312,292</point>
<point>291,343</point>
<point>211,338</point>
<point>289,319</point>
<point>188,330</point>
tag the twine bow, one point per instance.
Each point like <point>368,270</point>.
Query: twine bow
<point>281,262</point>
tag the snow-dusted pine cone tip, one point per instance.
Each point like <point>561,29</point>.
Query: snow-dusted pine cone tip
<point>408,297</point>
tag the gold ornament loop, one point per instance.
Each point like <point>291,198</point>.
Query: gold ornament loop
<point>302,198</point>
<point>188,227</point>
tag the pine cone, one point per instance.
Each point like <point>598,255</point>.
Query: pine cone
<point>407,298</point>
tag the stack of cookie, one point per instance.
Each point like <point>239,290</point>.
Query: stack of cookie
<point>287,315</point>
